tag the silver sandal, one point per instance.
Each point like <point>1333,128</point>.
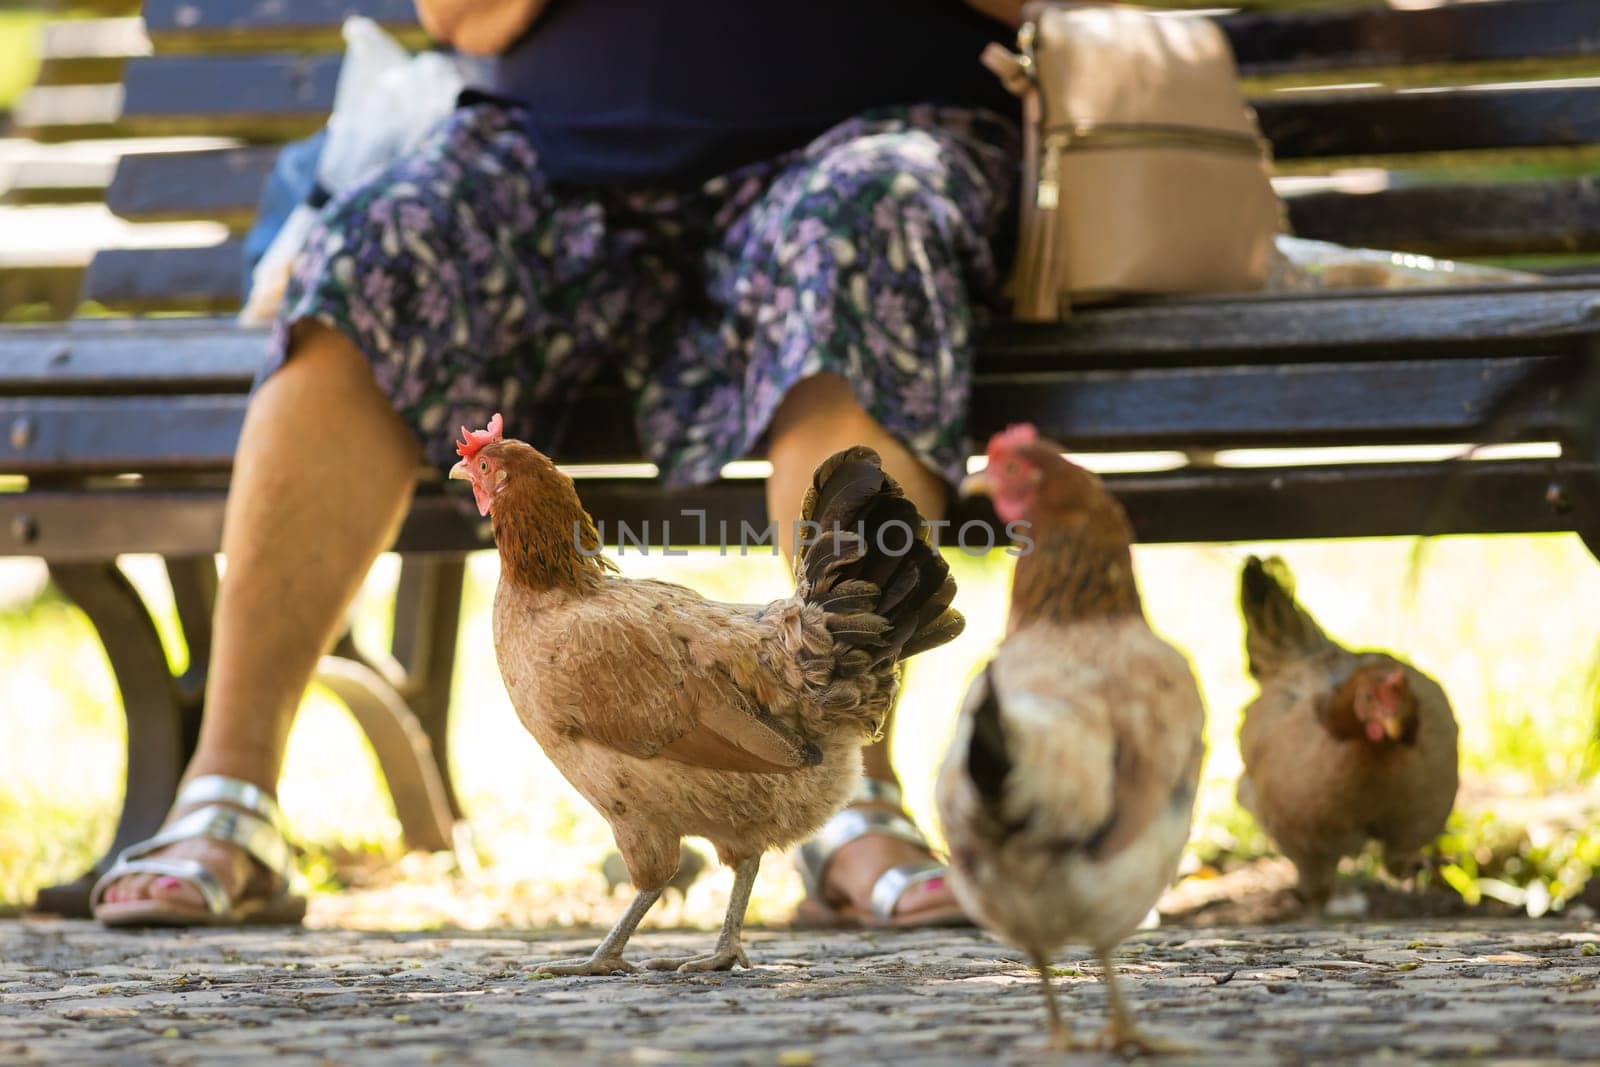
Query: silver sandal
<point>813,858</point>
<point>232,811</point>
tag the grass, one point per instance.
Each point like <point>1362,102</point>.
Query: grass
<point>1506,623</point>
<point>19,63</point>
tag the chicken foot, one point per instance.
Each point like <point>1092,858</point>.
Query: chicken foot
<point>729,951</point>
<point>607,957</point>
<point>1121,1035</point>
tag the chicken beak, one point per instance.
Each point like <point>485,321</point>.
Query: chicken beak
<point>460,471</point>
<point>975,484</point>
<point>1391,727</point>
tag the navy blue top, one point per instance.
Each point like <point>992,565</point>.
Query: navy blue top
<point>674,91</point>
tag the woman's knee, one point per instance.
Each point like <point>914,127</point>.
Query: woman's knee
<point>879,183</point>
<point>821,404</point>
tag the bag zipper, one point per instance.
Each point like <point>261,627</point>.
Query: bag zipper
<point>1088,136</point>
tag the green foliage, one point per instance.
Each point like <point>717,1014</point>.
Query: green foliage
<point>19,53</point>
<point>1505,623</point>
<point>1538,868</point>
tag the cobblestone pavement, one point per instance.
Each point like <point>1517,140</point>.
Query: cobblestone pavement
<point>72,993</point>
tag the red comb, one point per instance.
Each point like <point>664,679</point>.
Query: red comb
<point>1012,437</point>
<point>472,440</point>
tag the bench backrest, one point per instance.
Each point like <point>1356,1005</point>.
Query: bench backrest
<point>1465,130</point>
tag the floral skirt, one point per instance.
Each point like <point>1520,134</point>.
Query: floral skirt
<point>473,285</point>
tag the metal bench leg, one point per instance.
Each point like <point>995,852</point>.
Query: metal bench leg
<point>402,748</point>
<point>402,701</point>
<point>194,592</point>
<point>151,702</point>
<point>427,617</point>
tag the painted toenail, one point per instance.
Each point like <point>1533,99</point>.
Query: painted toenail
<point>167,882</point>
<point>933,885</point>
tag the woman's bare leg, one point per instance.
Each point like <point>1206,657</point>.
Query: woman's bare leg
<point>321,481</point>
<point>817,418</point>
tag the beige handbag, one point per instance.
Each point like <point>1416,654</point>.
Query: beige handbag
<point>1144,172</point>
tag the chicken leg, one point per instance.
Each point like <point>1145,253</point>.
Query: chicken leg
<point>1121,1035</point>
<point>1060,1035</point>
<point>607,956</point>
<point>729,951</point>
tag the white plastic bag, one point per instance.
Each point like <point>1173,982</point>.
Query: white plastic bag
<point>386,101</point>
<point>1306,266</point>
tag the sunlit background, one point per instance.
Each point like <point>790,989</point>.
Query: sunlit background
<point>1508,624</point>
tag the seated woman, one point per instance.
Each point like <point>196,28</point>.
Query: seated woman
<point>776,223</point>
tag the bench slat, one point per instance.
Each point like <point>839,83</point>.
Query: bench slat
<point>181,279</point>
<point>1305,404</point>
<point>1265,42</point>
<point>214,25</point>
<point>223,185</point>
<point>208,279</point>
<point>1181,506</point>
<point>1272,43</point>
<point>1514,218</point>
<point>1547,319</point>
<point>265,97</point>
<point>1519,218</point>
<point>1260,329</point>
<point>127,357</point>
<point>1354,124</point>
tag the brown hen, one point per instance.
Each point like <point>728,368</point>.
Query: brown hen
<point>1340,747</point>
<point>679,716</point>
<point>1067,793</point>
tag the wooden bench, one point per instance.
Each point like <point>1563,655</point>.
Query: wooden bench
<point>125,428</point>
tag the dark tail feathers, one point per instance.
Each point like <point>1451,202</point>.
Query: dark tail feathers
<point>872,565</point>
<point>988,759</point>
<point>1277,629</point>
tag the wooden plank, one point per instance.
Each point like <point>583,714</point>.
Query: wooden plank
<point>1467,220</point>
<point>1266,42</point>
<point>1300,404</point>
<point>181,279</point>
<point>1289,328</point>
<point>223,185</point>
<point>1518,218</point>
<point>1549,319</point>
<point>209,26</point>
<point>1410,122</point>
<point>255,97</point>
<point>1180,506</point>
<point>1305,404</point>
<point>1275,43</point>
<point>265,97</point>
<point>130,356</point>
